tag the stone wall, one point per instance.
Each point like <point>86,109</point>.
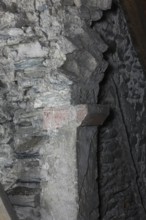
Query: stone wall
<point>58,60</point>
<point>51,64</point>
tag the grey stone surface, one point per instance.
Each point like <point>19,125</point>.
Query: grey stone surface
<point>6,210</point>
<point>90,13</point>
<point>87,173</point>
<point>121,150</point>
<point>56,55</point>
<point>101,4</point>
<point>49,57</point>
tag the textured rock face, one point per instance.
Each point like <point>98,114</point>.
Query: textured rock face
<point>54,54</point>
<point>121,150</point>
<point>50,61</point>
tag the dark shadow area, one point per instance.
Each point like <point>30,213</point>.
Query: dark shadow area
<point>135,13</point>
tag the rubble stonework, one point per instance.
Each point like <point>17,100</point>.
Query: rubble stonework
<point>49,58</point>
<point>56,57</point>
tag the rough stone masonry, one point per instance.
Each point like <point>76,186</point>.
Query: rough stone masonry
<point>51,63</point>
<point>54,55</point>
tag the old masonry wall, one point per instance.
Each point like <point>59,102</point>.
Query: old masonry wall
<point>58,60</point>
<point>51,64</point>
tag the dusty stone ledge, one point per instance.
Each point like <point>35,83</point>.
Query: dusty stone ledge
<point>82,115</point>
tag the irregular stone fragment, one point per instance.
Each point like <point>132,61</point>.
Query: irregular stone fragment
<point>31,50</point>
<point>101,4</point>
<point>85,12</point>
<point>90,13</point>
<point>24,200</point>
<point>81,65</point>
<point>96,117</point>
<point>6,209</point>
<point>95,14</point>
<point>30,146</point>
<point>29,63</point>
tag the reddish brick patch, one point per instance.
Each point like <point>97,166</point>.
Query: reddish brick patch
<point>55,118</point>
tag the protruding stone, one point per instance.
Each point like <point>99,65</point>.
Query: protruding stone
<point>96,116</point>
<point>84,115</point>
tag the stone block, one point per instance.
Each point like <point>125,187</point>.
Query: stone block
<point>96,115</point>
<point>84,115</point>
<point>81,64</point>
<point>101,4</point>
<point>6,210</point>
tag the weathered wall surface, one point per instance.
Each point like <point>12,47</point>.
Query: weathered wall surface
<point>50,61</point>
<point>121,154</point>
<point>58,58</point>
